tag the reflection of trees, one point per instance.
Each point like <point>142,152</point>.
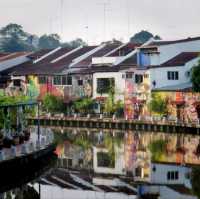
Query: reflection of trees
<point>110,143</point>
<point>157,149</point>
<point>26,192</point>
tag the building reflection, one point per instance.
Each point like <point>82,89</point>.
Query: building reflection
<point>126,153</point>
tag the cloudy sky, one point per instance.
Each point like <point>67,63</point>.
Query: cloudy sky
<point>170,19</point>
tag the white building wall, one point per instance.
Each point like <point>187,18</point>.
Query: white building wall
<point>119,84</point>
<point>159,75</point>
<point>119,161</point>
<point>169,51</point>
<point>159,176</point>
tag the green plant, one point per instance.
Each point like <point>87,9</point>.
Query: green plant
<point>195,78</point>
<point>157,149</point>
<point>195,181</point>
<point>110,106</point>
<point>158,104</point>
<point>53,103</point>
<point>84,105</point>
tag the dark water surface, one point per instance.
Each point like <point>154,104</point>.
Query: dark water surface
<point>102,164</point>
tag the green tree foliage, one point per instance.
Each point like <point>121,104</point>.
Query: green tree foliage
<point>75,43</point>
<point>143,36</point>
<point>7,100</point>
<point>84,105</point>
<point>14,39</point>
<point>158,104</point>
<point>49,41</point>
<point>111,106</point>
<point>53,104</point>
<point>195,180</point>
<point>196,77</point>
<point>157,149</point>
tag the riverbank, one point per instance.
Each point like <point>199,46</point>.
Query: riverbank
<point>118,124</point>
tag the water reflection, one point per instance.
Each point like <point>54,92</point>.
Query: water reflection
<point>111,164</point>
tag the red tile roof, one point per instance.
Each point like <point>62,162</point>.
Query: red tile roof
<point>13,56</point>
<point>124,50</point>
<point>181,59</point>
<point>88,61</point>
<point>45,67</point>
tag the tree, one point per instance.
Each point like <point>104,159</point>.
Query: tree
<point>49,41</point>
<point>143,36</point>
<point>158,104</point>
<point>13,30</point>
<point>157,149</point>
<point>196,78</point>
<point>111,106</point>
<point>14,39</point>
<point>75,43</point>
<point>195,181</point>
<point>15,45</point>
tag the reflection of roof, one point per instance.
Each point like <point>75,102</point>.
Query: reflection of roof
<point>180,189</point>
<point>181,59</point>
<point>178,87</point>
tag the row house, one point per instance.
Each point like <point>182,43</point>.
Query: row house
<point>156,66</point>
<point>60,71</point>
<point>7,61</point>
<point>134,71</point>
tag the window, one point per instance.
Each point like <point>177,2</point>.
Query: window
<point>69,80</point>
<point>129,75</point>
<point>62,80</point>
<point>105,84</point>
<point>172,75</point>
<point>138,79</point>
<point>104,160</point>
<point>172,175</point>
<point>17,82</point>
<point>42,79</point>
<point>57,80</point>
<point>80,82</point>
<point>146,76</point>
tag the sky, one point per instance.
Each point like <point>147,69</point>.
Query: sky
<point>100,20</point>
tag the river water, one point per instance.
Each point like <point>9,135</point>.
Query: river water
<point>104,164</point>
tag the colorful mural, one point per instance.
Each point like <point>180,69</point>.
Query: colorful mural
<point>68,93</point>
<point>182,105</point>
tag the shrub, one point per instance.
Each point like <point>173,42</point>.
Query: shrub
<point>53,103</point>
